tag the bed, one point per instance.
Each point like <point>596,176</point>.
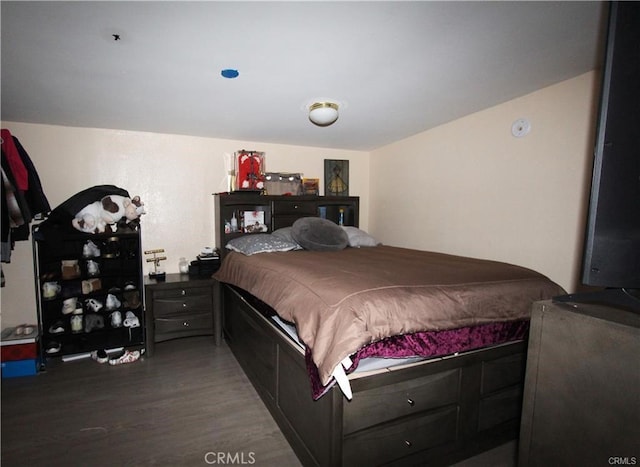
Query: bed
<point>303,325</point>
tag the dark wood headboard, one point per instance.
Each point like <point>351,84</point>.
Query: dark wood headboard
<point>278,212</point>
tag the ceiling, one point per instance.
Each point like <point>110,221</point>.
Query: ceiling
<point>395,68</point>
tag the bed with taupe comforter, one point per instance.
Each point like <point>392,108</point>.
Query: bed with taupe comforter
<point>467,317</point>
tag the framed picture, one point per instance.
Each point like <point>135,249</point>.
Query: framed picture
<point>310,186</point>
<point>249,170</point>
<point>336,177</point>
<point>253,222</point>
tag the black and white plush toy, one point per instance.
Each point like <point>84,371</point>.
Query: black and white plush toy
<point>111,209</point>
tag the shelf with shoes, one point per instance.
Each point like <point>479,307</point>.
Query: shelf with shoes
<point>88,292</point>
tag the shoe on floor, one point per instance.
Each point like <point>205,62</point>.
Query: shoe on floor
<point>127,357</point>
<point>100,356</point>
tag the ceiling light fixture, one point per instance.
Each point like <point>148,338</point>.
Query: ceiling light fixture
<point>323,113</point>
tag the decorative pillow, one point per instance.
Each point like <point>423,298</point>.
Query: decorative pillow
<point>358,237</point>
<point>259,243</point>
<point>285,234</point>
<point>317,234</point>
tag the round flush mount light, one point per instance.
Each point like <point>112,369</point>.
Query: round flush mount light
<point>323,113</point>
<point>520,127</point>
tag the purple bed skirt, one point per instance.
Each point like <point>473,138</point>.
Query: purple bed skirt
<point>428,344</point>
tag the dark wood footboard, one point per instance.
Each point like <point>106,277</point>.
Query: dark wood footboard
<point>438,412</point>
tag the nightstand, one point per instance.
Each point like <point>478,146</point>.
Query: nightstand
<point>180,306</point>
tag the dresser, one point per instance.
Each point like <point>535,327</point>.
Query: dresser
<point>581,400</point>
<point>180,306</point>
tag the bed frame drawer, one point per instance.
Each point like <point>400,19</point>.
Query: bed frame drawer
<point>396,440</point>
<point>253,348</point>
<point>502,373</point>
<point>501,407</point>
<point>401,399</point>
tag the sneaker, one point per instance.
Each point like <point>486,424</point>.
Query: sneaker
<point>93,305</point>
<point>93,268</point>
<point>127,357</point>
<point>131,320</point>
<point>56,328</point>
<point>92,322</point>
<point>24,330</point>
<point>100,356</point>
<point>69,305</point>
<point>116,319</point>
<point>132,299</point>
<point>112,302</point>
<point>53,348</point>
<point>76,323</point>
<point>90,250</point>
<point>91,285</point>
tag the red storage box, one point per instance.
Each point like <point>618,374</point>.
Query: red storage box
<point>19,351</point>
<point>16,347</point>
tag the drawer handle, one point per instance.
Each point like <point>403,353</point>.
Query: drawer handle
<point>184,305</point>
<point>407,443</point>
<point>183,292</point>
<point>186,324</point>
<point>411,402</point>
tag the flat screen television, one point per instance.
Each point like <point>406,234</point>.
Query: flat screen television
<point>611,259</point>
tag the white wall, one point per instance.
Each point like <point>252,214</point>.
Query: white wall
<point>467,187</point>
<point>470,188</point>
<point>174,175</point>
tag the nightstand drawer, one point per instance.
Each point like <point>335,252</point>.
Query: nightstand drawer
<point>182,292</point>
<point>174,326</point>
<point>168,306</point>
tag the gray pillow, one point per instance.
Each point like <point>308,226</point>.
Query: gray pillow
<point>285,234</point>
<point>317,234</point>
<point>251,244</point>
<point>358,237</point>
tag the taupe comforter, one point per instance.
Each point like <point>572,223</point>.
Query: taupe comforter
<point>343,300</point>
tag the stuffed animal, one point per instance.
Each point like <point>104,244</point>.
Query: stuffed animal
<point>95,217</point>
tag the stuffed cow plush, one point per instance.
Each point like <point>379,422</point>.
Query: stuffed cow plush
<point>95,217</point>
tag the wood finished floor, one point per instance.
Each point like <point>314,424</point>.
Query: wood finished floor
<point>190,399</point>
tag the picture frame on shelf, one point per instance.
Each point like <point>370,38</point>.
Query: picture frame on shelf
<point>336,177</point>
<point>310,186</point>
<point>249,170</point>
<point>254,222</point>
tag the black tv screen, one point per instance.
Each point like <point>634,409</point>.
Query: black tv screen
<point>612,244</point>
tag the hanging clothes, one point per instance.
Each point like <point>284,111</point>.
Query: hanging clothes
<point>22,194</point>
